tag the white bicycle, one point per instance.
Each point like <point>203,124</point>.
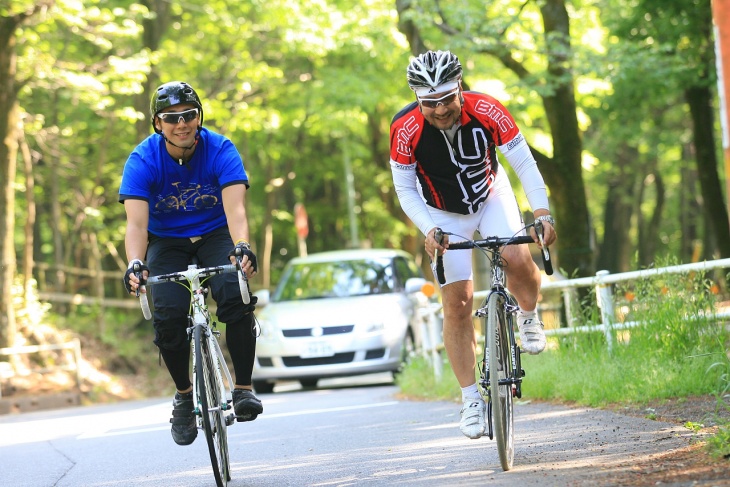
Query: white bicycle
<point>212,395</point>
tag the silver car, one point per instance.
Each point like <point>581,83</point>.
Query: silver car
<point>339,313</point>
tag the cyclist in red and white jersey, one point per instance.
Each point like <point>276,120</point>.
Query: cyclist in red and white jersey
<point>443,156</point>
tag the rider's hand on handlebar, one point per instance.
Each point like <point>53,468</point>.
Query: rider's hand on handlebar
<point>549,235</point>
<point>136,276</point>
<point>431,244</point>
<point>243,254</point>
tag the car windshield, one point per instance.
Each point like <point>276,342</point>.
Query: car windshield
<point>341,279</point>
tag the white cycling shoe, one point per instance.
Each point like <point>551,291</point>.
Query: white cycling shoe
<point>473,423</point>
<point>532,336</point>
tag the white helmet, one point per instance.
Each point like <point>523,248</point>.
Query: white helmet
<point>433,68</point>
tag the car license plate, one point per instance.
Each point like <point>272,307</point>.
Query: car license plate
<point>318,349</point>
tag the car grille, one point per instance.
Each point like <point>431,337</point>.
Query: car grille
<point>328,330</point>
<point>338,358</point>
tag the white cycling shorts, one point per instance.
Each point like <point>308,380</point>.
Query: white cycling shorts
<point>499,216</point>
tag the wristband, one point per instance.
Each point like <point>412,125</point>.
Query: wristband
<point>243,241</point>
<point>134,261</point>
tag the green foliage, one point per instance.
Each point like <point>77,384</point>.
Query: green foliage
<point>303,87</point>
<point>669,354</point>
<point>719,443</point>
<point>677,351</point>
<point>417,380</point>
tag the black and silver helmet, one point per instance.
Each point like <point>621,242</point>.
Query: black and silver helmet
<point>433,68</point>
<point>173,93</point>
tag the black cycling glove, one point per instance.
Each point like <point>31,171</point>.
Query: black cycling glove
<point>135,267</point>
<point>243,248</point>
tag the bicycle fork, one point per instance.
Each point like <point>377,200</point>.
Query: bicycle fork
<point>227,398</point>
<point>514,378</point>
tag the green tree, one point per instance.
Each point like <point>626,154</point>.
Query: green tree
<point>658,118</point>
<point>11,18</point>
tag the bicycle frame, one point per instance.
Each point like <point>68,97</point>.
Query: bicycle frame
<point>511,308</point>
<point>212,397</point>
<point>200,316</point>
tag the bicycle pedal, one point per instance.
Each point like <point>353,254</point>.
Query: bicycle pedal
<point>230,419</point>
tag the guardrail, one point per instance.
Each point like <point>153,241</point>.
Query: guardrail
<point>74,345</point>
<point>604,295</point>
<point>432,336</point>
<point>602,283</point>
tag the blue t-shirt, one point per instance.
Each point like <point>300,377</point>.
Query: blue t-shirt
<point>185,200</point>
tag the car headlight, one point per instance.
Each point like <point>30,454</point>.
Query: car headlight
<point>375,327</point>
<point>266,330</point>
<point>387,325</point>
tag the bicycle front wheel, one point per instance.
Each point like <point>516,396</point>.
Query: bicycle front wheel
<point>500,370</point>
<point>211,400</point>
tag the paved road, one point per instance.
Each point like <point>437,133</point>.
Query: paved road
<point>339,436</point>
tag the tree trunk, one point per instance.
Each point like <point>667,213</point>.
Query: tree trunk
<point>154,28</point>
<point>28,245</point>
<point>616,246</point>
<point>689,208</point>
<point>699,99</point>
<point>59,253</point>
<point>409,29</point>
<point>649,231</point>
<point>564,175</point>
<point>8,154</point>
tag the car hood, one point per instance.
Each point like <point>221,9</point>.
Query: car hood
<point>338,311</point>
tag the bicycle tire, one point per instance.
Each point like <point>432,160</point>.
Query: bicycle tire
<point>210,397</point>
<point>500,369</point>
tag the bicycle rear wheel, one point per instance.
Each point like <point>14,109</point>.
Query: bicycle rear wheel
<point>211,400</point>
<point>500,369</point>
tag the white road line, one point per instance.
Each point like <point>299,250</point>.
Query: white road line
<point>328,410</point>
<point>116,432</point>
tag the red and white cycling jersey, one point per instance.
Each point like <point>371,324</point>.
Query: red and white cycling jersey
<point>455,178</point>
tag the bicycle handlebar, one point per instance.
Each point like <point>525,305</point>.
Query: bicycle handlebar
<point>494,244</point>
<point>189,275</point>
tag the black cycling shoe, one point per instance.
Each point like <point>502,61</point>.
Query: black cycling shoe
<point>246,405</point>
<point>184,430</point>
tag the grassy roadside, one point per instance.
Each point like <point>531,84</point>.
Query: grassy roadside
<point>677,352</point>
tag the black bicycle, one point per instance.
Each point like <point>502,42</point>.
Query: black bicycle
<point>211,396</point>
<point>500,378</point>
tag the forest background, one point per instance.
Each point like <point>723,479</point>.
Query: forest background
<point>618,99</point>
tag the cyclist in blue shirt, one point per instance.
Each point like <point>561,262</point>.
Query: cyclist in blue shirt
<point>184,193</point>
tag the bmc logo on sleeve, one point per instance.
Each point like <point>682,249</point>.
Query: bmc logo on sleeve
<point>404,135</point>
<point>514,142</point>
<point>501,119</point>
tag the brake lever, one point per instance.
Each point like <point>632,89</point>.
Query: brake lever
<point>138,273</point>
<point>438,266</point>
<point>546,260</point>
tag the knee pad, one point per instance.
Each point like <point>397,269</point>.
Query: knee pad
<point>171,337</point>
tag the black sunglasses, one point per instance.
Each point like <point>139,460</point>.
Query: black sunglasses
<point>173,118</point>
